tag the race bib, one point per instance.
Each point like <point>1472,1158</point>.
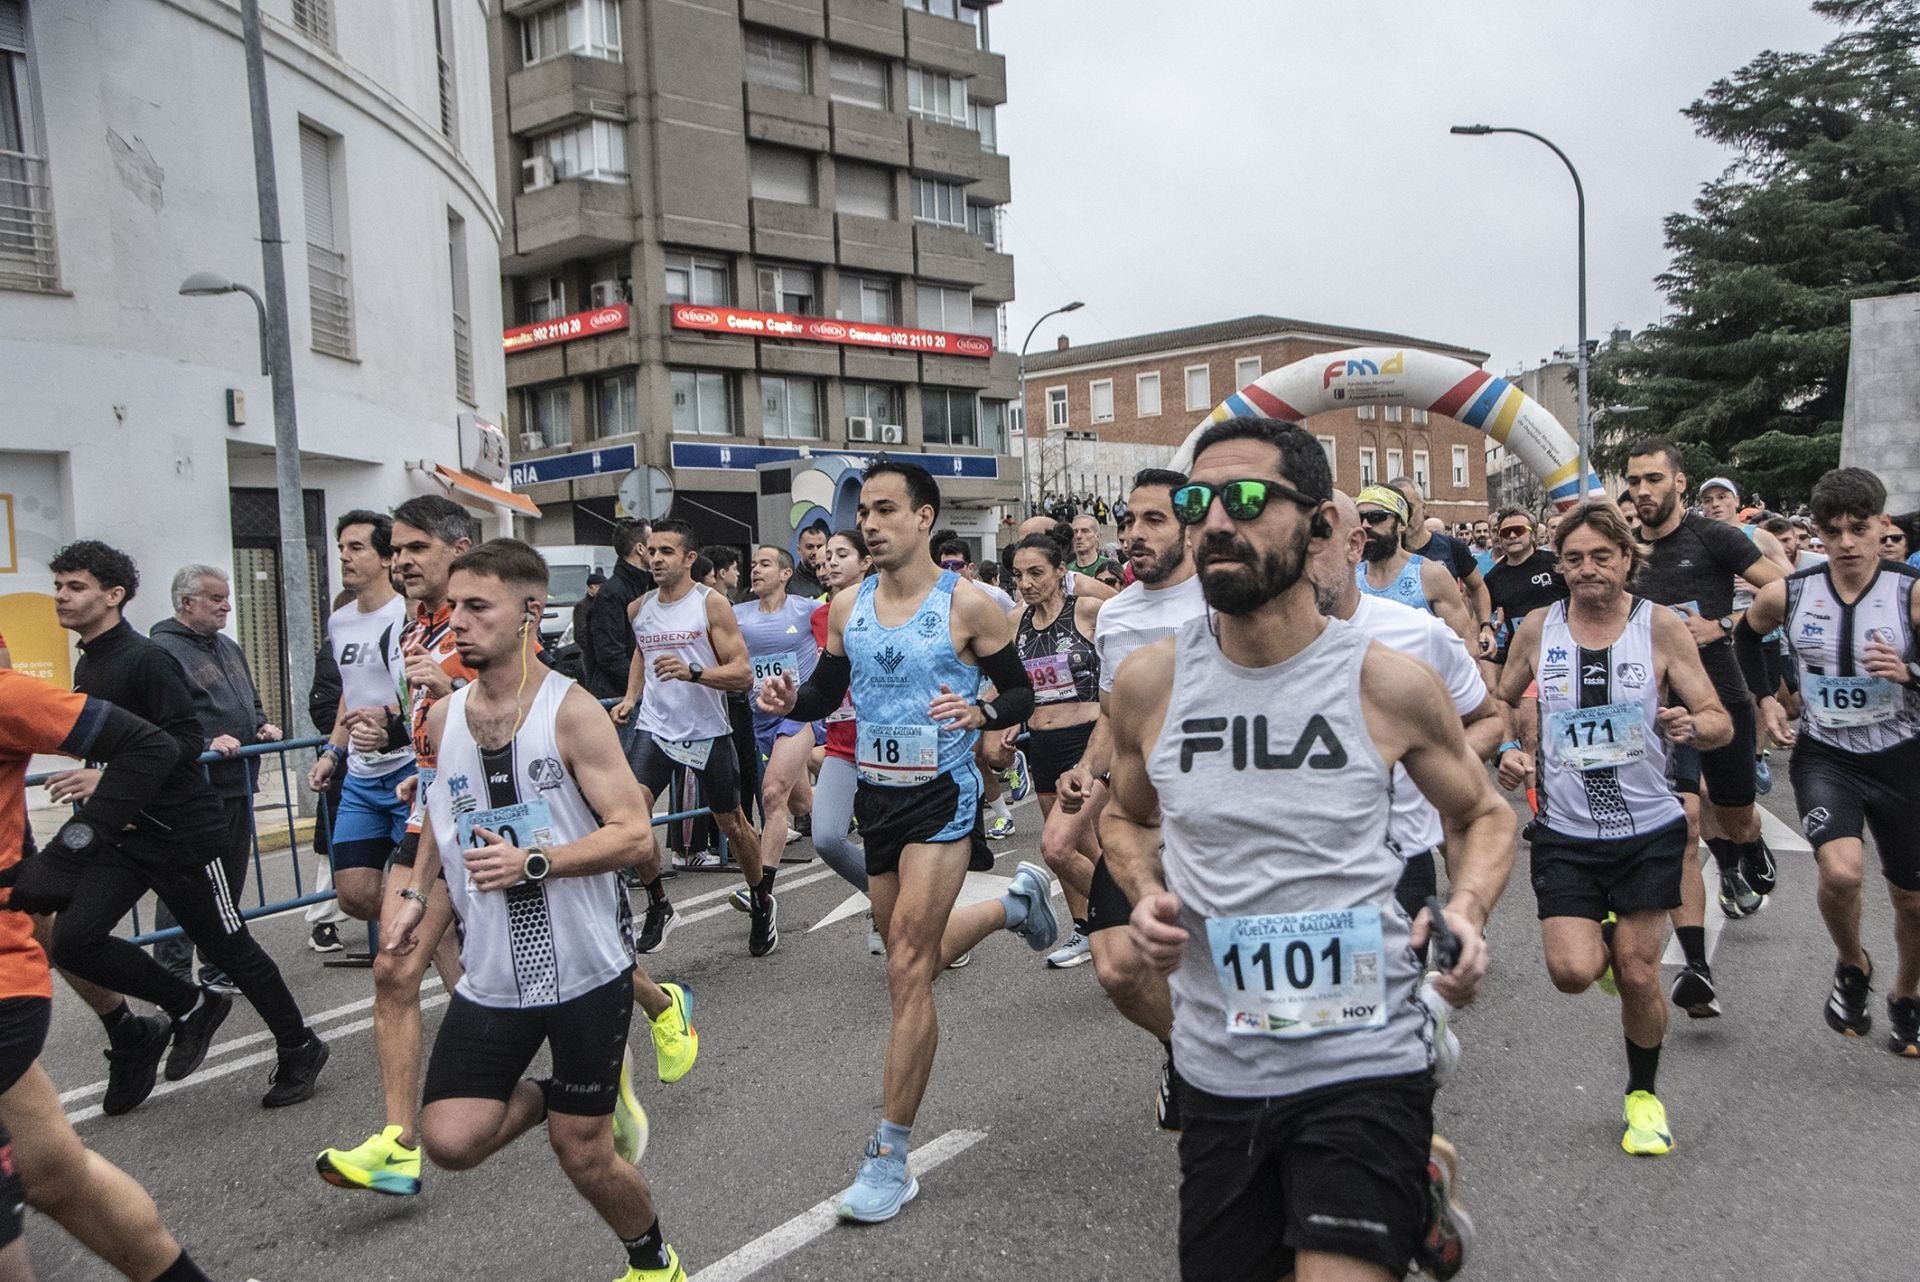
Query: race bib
<point>1835,703</point>
<point>771,666</point>
<point>691,753</point>
<point>896,756</point>
<point>1603,738</point>
<point>1052,678</point>
<point>1293,975</point>
<point>526,823</point>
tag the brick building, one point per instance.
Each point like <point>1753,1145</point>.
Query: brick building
<point>1141,396</point>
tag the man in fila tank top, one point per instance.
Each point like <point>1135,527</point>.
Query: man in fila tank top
<point>913,644</point>
<point>1389,570</point>
<point>531,812</point>
<point>1851,624</point>
<point>1307,1057</point>
<point>1610,836</point>
<point>687,654</point>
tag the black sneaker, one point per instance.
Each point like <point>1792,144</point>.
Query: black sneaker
<point>764,936</point>
<point>293,1078</point>
<point>658,925</point>
<point>131,1068</point>
<point>1693,992</point>
<point>1448,1235</point>
<point>1738,899</point>
<point>1758,868</point>
<point>1903,1014</point>
<point>1846,1008</point>
<point>194,1034</point>
<point>218,980</point>
<point>325,938</point>
<point>1166,1104</point>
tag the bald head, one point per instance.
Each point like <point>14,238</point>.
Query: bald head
<point>1036,525</point>
<point>1335,589</point>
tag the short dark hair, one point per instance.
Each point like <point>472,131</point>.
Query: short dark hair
<point>921,489</point>
<point>784,557</point>
<point>725,558</point>
<point>818,525</point>
<point>990,572</point>
<point>1302,461</point>
<point>508,560</point>
<point>1847,491</point>
<point>689,541</point>
<point>439,517</point>
<point>627,536</point>
<point>1777,525</point>
<point>1520,512</point>
<point>1157,476</point>
<point>1045,544</point>
<point>853,536</point>
<point>702,567</point>
<point>382,524</point>
<point>1657,445</point>
<point>951,544</point>
<point>109,566</point>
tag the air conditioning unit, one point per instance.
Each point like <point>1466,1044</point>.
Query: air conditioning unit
<point>892,434</point>
<point>859,429</point>
<point>532,441</point>
<point>605,293</point>
<point>536,173</point>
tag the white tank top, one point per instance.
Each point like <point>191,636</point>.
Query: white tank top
<point>1842,707</point>
<point>1603,764</point>
<point>537,943</point>
<point>678,710</point>
<point>366,648</point>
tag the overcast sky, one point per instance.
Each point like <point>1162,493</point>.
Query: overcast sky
<point>1181,162</point>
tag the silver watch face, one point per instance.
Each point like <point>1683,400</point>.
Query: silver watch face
<point>77,836</point>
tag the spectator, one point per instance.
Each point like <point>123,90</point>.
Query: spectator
<point>726,570</point>
<point>323,706</point>
<point>582,612</point>
<point>1087,558</point>
<point>806,575</point>
<point>609,637</point>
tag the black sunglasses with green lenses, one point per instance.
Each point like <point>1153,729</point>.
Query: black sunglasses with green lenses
<point>1243,500</point>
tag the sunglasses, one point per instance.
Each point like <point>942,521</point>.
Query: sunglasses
<point>1243,500</point>
<point>1514,531</point>
<point>951,564</point>
<point>1893,538</point>
<point>1376,517</point>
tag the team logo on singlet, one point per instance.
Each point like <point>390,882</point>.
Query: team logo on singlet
<point>460,789</point>
<point>928,623</point>
<point>546,773</point>
<point>890,660</point>
<point>1317,747</point>
<point>1883,635</point>
<point>1631,674</point>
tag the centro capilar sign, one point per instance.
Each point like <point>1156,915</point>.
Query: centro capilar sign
<point>821,329</point>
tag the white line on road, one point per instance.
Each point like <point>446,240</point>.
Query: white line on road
<point>1782,836</point>
<point>822,1216</point>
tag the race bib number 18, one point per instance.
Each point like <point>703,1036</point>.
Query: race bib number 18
<point>1293,975</point>
<point>899,755</point>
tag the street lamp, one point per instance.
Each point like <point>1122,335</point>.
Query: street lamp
<point>1580,197</point>
<point>1026,428</point>
<point>207,284</point>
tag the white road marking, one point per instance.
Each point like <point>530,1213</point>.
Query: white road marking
<point>1716,920</point>
<point>1781,836</point>
<point>978,887</point>
<point>822,1216</point>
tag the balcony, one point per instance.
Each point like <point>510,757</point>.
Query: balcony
<point>27,257</point>
<point>997,283</point>
<point>801,17</point>
<point>787,118</point>
<point>956,371</point>
<point>876,244</point>
<point>570,219</point>
<point>994,186</point>
<point>783,230</point>
<point>987,77</point>
<point>870,26</point>
<point>867,133</point>
<point>561,89</point>
<point>948,253</point>
<point>941,43</point>
<point>330,301</point>
<point>951,150</point>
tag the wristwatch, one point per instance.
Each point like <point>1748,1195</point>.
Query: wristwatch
<point>77,834</point>
<point>413,896</point>
<point>989,714</point>
<point>537,866</point>
<point>1726,625</point>
<point>693,672</point>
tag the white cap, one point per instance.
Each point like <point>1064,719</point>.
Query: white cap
<point>1723,483</point>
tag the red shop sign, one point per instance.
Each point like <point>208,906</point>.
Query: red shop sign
<point>820,329</point>
<point>564,329</point>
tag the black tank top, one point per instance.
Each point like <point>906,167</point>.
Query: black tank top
<point>1061,663</point>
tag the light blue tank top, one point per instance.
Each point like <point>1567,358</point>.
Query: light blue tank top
<point>1407,589</point>
<point>897,672</point>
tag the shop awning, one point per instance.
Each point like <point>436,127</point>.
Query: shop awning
<point>475,487</point>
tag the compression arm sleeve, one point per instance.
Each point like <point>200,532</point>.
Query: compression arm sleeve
<point>139,758</point>
<point>1753,667</point>
<point>825,689</point>
<point>1013,698</point>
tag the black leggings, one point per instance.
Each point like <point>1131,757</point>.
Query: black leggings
<point>85,945</point>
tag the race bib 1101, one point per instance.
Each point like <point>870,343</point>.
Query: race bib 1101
<point>1293,975</point>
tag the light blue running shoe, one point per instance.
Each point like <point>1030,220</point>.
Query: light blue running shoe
<point>1032,884</point>
<point>882,1187</point>
<point>1017,779</point>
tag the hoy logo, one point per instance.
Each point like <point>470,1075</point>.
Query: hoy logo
<point>1317,748</point>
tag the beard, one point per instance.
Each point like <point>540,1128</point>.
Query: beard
<point>1160,564</point>
<point>1258,579</point>
<point>1662,511</point>
<point>1326,597</point>
<point>1381,547</point>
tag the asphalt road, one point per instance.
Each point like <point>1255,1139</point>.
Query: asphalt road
<point>1794,1158</point>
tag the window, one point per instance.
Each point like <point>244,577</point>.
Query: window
<point>1245,370</point>
<point>986,322</point>
<point>1365,413</point>
<point>702,402</point>
<point>1056,407</point>
<point>542,299</point>
<point>935,95</point>
<point>612,282</point>
<point>595,150</point>
<point>856,79</point>
<point>939,202</point>
<point>1146,395</point>
<point>947,417</point>
<point>984,222</point>
<point>993,425</point>
<point>1199,397</point>
<point>315,17</point>
<point>1460,466</point>
<point>943,8</point>
<point>697,278</point>
<point>1396,460</point>
<point>443,58</point>
<point>590,28</point>
<point>1369,473</point>
<point>546,417</point>
<point>1331,448</point>
<point>789,407</point>
<point>329,287</point>
<point>876,401</point>
<point>1418,417</point>
<point>1100,393</point>
<point>462,308</point>
<point>948,307</point>
<point>1017,419</point>
<point>866,190</point>
<point>615,412</point>
<point>777,61</point>
<point>27,258</point>
<point>1394,414</point>
<point>984,123</point>
<point>779,173</point>
<point>868,299</point>
<point>789,289</point>
<point>1420,474</point>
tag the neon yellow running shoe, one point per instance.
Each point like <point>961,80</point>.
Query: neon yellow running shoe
<point>1646,1133</point>
<point>1607,983</point>
<point>379,1165</point>
<point>629,1119</point>
<point>676,1044</point>
<point>672,1273</point>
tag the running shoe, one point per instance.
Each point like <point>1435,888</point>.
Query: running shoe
<point>1758,868</point>
<point>660,922</point>
<point>876,946</point>
<point>131,1068</point>
<point>1017,779</point>
<point>1039,929</point>
<point>1693,992</point>
<point>324,938</point>
<point>1446,1042</point>
<point>672,1273</point>
<point>1847,1004</point>
<point>999,829</point>
<point>218,980</point>
<point>701,861</point>
<point>193,1034</point>
<point>379,1165</point>
<point>793,835</point>
<point>1444,1245</point>
<point>676,1043</point>
<point>961,962</point>
<point>882,1187</point>
<point>764,935</point>
<point>1762,775</point>
<point>629,1119</point>
<point>1075,952</point>
<point>1903,1035</point>
<point>1166,1100</point>
<point>1645,1133</point>
<point>297,1074</point>
<point>1738,899</point>
<point>741,900</point>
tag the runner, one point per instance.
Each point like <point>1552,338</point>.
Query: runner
<point>533,811</point>
<point>1451,551</point>
<point>843,565</point>
<point>1053,634</point>
<point>778,630</point>
<point>1851,623</point>
<point>913,645</point>
<point>1524,580</point>
<point>1610,839</point>
<point>1308,1105</point>
<point>687,654</point>
<point>1397,574</point>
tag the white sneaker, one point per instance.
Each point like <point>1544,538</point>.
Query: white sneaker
<point>875,945</point>
<point>793,835</point>
<point>1075,952</point>
<point>1446,1043</point>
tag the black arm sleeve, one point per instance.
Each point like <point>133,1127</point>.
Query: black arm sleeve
<point>139,758</point>
<point>825,689</point>
<point>1013,691</point>
<point>1753,667</point>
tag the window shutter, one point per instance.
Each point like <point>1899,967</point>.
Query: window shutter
<point>316,183</point>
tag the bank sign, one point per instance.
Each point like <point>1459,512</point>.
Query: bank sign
<point>565,329</point>
<point>820,329</point>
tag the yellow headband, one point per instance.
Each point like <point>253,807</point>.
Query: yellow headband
<point>1389,499</point>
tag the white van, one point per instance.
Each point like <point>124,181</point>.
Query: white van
<point>568,566</point>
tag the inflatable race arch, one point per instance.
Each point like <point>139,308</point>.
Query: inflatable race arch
<point>1417,380</point>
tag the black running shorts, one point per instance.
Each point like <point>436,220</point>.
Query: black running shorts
<point>13,1199</point>
<point>941,810</point>
<point>1420,878</point>
<point>1846,794</point>
<point>1051,753</point>
<point>719,778</point>
<point>1107,904</point>
<point>1342,1169</point>
<point>482,1052</point>
<point>1580,877</point>
<point>23,1034</point>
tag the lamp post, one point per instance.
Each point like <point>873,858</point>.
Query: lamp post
<point>207,284</point>
<point>1026,428</point>
<point>1585,428</point>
